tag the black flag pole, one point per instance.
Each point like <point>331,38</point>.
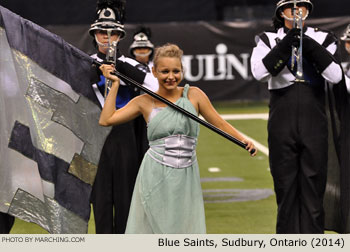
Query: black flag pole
<point>128,80</point>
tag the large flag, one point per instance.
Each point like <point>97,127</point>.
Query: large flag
<point>50,140</point>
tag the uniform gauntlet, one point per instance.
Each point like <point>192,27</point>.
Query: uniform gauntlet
<point>316,54</point>
<point>278,57</point>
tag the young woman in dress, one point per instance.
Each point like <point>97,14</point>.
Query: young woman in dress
<point>167,195</point>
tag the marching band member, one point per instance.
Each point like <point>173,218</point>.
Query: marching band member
<point>142,48</point>
<point>142,51</point>
<point>297,125</point>
<point>126,144</point>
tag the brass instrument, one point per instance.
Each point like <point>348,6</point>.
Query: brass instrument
<point>297,53</point>
<point>111,58</point>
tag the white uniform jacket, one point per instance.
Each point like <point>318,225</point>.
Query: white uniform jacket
<point>268,40</point>
<point>150,82</point>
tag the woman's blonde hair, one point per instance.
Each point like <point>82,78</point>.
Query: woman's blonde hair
<point>167,50</point>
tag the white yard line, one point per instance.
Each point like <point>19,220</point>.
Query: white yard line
<point>263,116</point>
<point>259,146</point>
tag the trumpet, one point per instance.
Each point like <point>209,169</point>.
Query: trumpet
<point>111,58</point>
<point>297,53</point>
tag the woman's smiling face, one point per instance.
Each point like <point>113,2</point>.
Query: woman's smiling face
<point>168,71</point>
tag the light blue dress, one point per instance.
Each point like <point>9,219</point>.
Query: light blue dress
<point>167,197</point>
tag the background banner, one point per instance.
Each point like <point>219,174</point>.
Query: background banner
<point>216,54</point>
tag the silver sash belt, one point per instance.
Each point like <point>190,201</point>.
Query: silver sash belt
<point>177,151</point>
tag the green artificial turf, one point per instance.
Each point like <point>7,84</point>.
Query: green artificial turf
<point>256,216</point>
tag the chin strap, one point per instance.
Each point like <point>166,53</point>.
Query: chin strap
<point>99,43</point>
<point>292,19</point>
<point>143,54</point>
<point>102,44</point>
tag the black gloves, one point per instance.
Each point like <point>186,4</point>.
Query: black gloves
<point>278,57</point>
<point>95,73</point>
<point>123,67</point>
<point>316,54</point>
<point>130,71</point>
<point>292,38</point>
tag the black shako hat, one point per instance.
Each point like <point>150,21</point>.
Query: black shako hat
<point>110,15</point>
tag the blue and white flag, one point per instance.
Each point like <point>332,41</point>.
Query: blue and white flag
<point>50,140</point>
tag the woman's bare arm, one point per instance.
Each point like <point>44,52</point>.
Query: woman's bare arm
<point>109,115</point>
<point>206,109</point>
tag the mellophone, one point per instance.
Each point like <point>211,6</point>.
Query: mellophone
<point>297,53</point>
